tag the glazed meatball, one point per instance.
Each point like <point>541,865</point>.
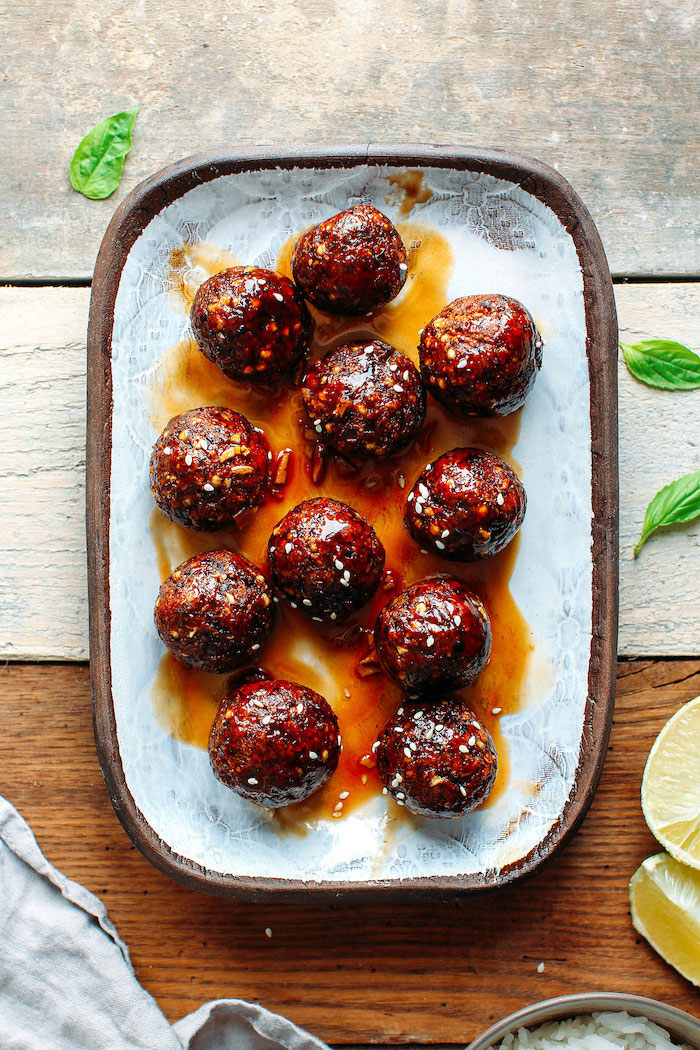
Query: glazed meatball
<point>207,466</point>
<point>215,611</point>
<point>480,355</point>
<point>325,558</point>
<point>435,758</point>
<point>365,399</point>
<point>274,742</point>
<point>352,263</point>
<point>436,633</point>
<point>252,323</point>
<point>466,505</point>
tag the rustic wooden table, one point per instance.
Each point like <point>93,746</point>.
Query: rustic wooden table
<point>605,92</point>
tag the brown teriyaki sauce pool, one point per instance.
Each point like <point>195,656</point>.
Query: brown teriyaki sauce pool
<point>329,658</point>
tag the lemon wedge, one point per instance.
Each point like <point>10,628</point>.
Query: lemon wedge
<point>671,785</point>
<point>665,905</point>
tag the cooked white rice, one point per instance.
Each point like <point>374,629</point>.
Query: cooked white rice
<point>599,1031</point>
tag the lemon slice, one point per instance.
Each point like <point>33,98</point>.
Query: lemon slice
<point>665,904</point>
<point>671,785</point>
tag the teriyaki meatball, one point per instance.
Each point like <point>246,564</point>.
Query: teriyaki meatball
<point>215,611</point>
<point>207,466</point>
<point>325,558</point>
<point>365,399</point>
<point>352,263</point>
<point>480,355</point>
<point>252,323</point>
<point>436,633</point>
<point>435,758</point>
<point>466,505</point>
<point>274,742</point>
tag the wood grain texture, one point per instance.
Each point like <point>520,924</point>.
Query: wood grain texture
<point>43,605</point>
<point>606,92</point>
<point>659,441</point>
<point>351,973</point>
<point>43,599</point>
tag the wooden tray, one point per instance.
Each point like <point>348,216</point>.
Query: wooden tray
<point>130,219</point>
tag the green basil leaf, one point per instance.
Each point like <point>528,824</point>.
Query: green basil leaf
<point>660,363</point>
<point>673,504</point>
<point>96,168</point>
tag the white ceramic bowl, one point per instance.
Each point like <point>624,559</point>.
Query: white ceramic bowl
<point>680,1025</point>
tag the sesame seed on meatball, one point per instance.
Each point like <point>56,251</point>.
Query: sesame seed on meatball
<point>435,758</point>
<point>215,611</point>
<point>252,323</point>
<point>480,355</point>
<point>325,558</point>
<point>352,263</point>
<point>274,742</point>
<point>466,505</point>
<point>207,466</point>
<point>436,633</point>
<point>365,399</point>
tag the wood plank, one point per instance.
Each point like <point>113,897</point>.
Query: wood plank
<point>659,441</point>
<point>605,92</point>
<point>43,604</point>
<point>352,974</point>
<point>43,598</point>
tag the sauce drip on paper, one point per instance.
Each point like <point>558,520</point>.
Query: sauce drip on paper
<point>326,658</point>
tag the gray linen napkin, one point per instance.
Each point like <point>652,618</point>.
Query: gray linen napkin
<point>67,983</point>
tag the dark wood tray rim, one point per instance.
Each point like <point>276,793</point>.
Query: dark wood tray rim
<point>130,218</point>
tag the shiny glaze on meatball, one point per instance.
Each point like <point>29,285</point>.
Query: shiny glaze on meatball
<point>274,742</point>
<point>252,323</point>
<point>481,355</point>
<point>468,504</point>
<point>207,466</point>
<point>215,611</point>
<point>435,758</point>
<point>436,633</point>
<point>352,263</point>
<point>325,558</point>
<point>365,399</point>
